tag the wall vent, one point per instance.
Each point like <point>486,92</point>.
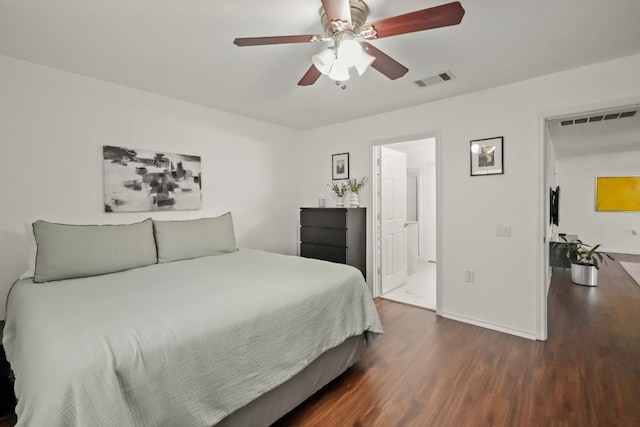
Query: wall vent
<point>435,79</point>
<point>599,118</point>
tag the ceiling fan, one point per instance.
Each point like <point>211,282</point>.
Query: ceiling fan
<point>345,25</point>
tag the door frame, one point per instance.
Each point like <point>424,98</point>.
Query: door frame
<point>375,209</point>
<point>543,275</point>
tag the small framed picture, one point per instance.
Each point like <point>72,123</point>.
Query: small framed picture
<point>340,166</point>
<point>487,156</point>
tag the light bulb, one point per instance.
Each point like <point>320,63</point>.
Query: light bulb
<point>349,52</point>
<point>339,72</point>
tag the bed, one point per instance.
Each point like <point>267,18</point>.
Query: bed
<point>236,338</point>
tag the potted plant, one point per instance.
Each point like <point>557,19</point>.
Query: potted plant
<point>585,260</point>
<point>340,190</point>
<point>355,186</point>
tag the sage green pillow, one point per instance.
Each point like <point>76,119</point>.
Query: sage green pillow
<point>70,251</point>
<point>194,238</point>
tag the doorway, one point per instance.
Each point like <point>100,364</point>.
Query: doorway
<point>579,145</point>
<point>406,232</point>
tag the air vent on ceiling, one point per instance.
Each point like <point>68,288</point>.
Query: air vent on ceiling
<point>598,118</point>
<point>434,80</point>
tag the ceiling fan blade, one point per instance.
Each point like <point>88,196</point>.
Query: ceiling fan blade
<point>427,19</point>
<point>311,76</point>
<point>259,41</point>
<point>384,63</point>
<point>337,10</point>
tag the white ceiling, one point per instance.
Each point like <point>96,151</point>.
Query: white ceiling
<point>600,137</point>
<point>183,49</point>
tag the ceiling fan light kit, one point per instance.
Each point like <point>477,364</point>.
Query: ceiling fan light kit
<point>344,22</point>
<point>335,62</point>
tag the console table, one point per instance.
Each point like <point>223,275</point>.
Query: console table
<point>555,260</point>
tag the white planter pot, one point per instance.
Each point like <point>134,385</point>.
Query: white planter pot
<point>586,275</point>
<point>339,201</point>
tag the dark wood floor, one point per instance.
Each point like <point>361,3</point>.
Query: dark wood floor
<point>430,371</point>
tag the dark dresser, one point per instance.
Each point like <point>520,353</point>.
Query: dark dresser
<point>335,234</point>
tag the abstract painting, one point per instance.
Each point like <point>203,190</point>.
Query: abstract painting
<point>144,180</point>
<point>618,194</point>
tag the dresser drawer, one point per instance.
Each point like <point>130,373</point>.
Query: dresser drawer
<point>328,218</point>
<point>324,236</point>
<point>327,253</point>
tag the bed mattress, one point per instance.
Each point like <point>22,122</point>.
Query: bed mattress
<point>178,344</point>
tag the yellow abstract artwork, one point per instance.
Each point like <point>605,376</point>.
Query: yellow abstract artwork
<point>618,194</point>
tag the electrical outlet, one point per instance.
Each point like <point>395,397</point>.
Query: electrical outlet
<point>468,276</point>
<point>503,230</point>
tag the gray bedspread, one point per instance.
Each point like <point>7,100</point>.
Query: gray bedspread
<point>177,344</point>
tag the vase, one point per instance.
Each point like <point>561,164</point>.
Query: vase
<point>354,201</point>
<point>339,201</point>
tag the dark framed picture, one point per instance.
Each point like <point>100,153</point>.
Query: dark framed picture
<point>487,156</point>
<point>340,166</point>
<point>554,205</point>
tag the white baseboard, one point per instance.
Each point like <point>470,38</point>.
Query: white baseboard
<point>489,325</point>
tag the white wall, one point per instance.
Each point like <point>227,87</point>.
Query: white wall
<point>52,127</point>
<point>507,270</point>
<point>576,177</point>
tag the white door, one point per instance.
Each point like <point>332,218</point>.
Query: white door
<point>393,208</point>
